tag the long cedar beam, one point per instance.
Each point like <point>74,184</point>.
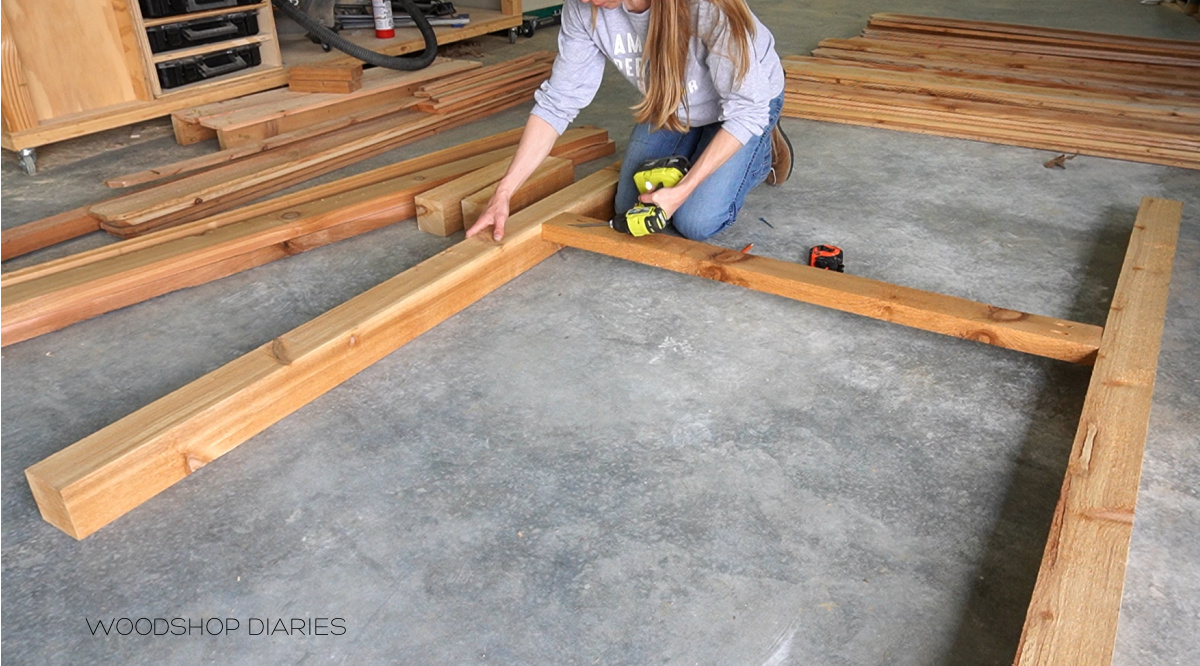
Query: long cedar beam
<point>958,317</point>
<point>1072,617</point>
<point>45,232</point>
<point>207,192</point>
<point>100,478</point>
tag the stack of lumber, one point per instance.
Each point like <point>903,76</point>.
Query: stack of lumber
<point>512,80</point>
<point>340,79</point>
<point>228,178</point>
<point>55,294</point>
<point>250,119</point>
<point>1130,98</point>
<point>275,140</point>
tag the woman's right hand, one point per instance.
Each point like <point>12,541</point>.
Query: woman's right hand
<point>495,215</point>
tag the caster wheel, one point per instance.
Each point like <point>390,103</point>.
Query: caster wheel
<point>27,160</point>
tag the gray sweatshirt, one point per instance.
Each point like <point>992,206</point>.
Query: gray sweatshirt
<point>620,36</point>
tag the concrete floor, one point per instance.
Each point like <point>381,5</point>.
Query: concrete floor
<point>606,463</point>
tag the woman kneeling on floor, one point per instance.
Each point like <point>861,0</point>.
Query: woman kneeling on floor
<point>713,91</point>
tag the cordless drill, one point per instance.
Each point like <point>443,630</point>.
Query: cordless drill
<point>645,219</point>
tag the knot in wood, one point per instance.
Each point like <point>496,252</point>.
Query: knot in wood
<point>1002,314</point>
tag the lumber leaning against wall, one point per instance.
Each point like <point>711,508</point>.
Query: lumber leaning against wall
<point>98,479</point>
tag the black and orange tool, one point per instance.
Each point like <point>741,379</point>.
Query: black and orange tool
<point>828,257</point>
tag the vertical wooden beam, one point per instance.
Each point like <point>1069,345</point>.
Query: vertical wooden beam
<point>1072,617</point>
<point>100,478</point>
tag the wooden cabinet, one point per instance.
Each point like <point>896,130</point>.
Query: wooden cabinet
<point>74,67</point>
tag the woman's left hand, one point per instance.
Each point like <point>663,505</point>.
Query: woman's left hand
<point>669,199</point>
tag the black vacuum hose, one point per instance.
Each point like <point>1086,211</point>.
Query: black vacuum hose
<point>405,63</point>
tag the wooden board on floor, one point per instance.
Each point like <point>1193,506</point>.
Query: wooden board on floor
<point>1072,617</point>
<point>949,315</point>
<point>45,232</point>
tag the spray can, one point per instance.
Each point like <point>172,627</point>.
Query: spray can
<point>385,28</point>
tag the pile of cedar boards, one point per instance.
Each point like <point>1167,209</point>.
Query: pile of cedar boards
<point>52,295</point>
<point>510,80</point>
<point>1129,98</point>
<point>272,141</point>
<point>278,139</point>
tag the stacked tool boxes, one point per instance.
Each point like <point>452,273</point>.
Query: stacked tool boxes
<point>209,27</point>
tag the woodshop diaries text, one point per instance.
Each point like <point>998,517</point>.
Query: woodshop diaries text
<point>217,626</point>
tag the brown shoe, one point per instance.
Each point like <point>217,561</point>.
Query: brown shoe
<point>782,158</point>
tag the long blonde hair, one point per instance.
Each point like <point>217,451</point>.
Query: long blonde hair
<point>664,61</point>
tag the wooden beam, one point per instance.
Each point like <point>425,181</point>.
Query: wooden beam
<point>552,175</point>
<point>439,210</point>
<point>963,127</point>
<point>180,195</point>
<point>100,478</point>
<point>1072,617</point>
<point>340,79</point>
<point>45,232</point>
<point>188,133</point>
<point>949,315</point>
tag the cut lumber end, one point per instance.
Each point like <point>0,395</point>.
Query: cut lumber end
<point>187,133</point>
<point>50,503</point>
<point>432,217</point>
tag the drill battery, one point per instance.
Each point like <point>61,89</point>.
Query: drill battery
<point>645,219</point>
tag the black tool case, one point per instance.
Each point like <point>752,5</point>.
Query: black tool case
<point>160,8</point>
<point>175,73</point>
<point>181,35</point>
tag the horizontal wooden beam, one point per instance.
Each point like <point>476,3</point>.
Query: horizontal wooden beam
<point>98,479</point>
<point>1072,617</point>
<point>949,315</point>
<point>45,232</point>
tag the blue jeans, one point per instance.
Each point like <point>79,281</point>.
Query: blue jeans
<point>714,204</point>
